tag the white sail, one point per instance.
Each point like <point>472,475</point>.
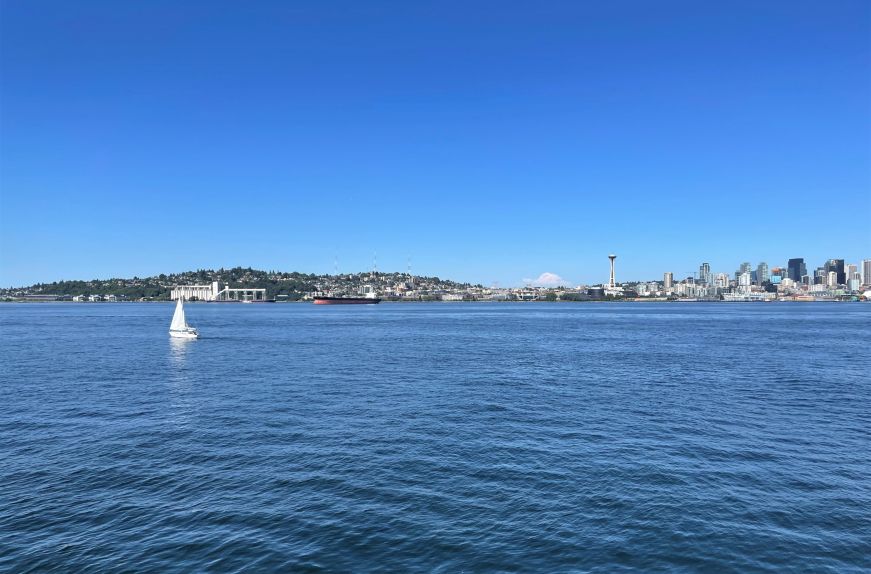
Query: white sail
<point>178,320</point>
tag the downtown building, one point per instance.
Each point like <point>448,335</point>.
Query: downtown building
<point>836,266</point>
<point>705,273</point>
<point>762,275</point>
<point>796,269</point>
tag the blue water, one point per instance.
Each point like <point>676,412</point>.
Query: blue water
<point>436,438</point>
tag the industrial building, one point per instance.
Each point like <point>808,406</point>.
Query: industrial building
<point>214,292</point>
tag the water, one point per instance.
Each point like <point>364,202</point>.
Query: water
<point>436,438</point>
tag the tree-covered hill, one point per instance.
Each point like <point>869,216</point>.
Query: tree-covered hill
<point>292,285</point>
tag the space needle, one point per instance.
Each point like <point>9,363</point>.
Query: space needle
<point>611,282</point>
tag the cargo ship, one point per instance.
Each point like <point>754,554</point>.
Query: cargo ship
<point>346,300</point>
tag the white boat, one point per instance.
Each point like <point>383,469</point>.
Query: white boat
<point>179,327</point>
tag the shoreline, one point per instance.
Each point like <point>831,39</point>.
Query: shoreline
<point>385,301</point>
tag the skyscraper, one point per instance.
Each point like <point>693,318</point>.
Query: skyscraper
<point>668,280</point>
<point>796,269</point>
<point>849,270</point>
<point>866,272</point>
<point>762,273</point>
<point>778,272</point>
<point>705,273</point>
<point>836,265</point>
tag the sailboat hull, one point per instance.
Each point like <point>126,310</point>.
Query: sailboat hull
<point>184,334</point>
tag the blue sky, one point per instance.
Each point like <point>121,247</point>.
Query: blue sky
<point>487,141</point>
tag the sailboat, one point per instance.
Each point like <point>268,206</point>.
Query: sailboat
<point>179,327</point>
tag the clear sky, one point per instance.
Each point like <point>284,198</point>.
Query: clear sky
<point>487,141</point>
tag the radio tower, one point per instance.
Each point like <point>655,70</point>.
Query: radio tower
<point>611,282</point>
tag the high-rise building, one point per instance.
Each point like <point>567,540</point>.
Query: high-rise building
<point>849,270</point>
<point>796,269</point>
<point>777,274</point>
<point>832,279</point>
<point>762,273</point>
<point>820,276</point>
<point>866,272</point>
<point>668,280</point>
<point>705,273</point>
<point>836,265</point>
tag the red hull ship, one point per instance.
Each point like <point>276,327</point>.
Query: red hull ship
<point>346,300</point>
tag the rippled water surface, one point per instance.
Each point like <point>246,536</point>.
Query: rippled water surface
<point>436,438</point>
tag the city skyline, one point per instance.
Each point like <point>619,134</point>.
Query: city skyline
<point>795,269</point>
<point>591,275</point>
<point>489,145</point>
